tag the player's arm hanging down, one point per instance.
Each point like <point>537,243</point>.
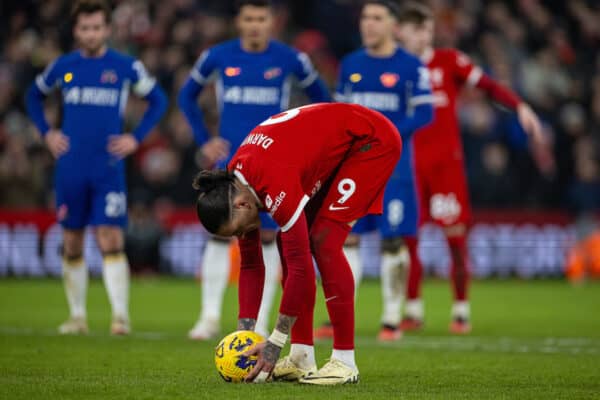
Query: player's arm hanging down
<point>299,286</point>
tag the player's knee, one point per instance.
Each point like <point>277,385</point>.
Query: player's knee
<point>455,231</point>
<point>353,240</point>
<point>72,246</point>
<point>110,239</point>
<point>392,245</point>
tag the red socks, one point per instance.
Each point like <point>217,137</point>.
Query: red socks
<point>327,239</point>
<point>459,271</point>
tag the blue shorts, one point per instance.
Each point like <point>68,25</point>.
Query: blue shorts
<point>267,223</point>
<point>83,200</point>
<point>400,213</point>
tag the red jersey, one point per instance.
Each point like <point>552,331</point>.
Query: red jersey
<point>449,71</point>
<point>287,158</point>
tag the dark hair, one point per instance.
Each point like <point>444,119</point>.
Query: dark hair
<point>415,13</point>
<point>90,7</point>
<point>216,189</point>
<point>391,5</point>
<point>256,3</point>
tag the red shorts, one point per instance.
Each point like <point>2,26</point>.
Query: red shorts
<point>357,186</point>
<point>443,192</point>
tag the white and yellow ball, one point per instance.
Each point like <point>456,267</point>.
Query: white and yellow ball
<point>231,364</point>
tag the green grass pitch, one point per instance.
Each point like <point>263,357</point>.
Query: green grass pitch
<point>538,340</point>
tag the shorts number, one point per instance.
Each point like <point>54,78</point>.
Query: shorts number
<point>346,187</point>
<point>395,212</point>
<point>116,204</point>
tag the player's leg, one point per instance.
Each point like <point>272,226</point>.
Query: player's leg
<point>272,273</point>
<point>72,204</point>
<point>115,272</point>
<point>398,226</point>
<point>450,208</point>
<point>109,218</point>
<point>75,278</point>
<point>216,267</point>
<point>414,309</point>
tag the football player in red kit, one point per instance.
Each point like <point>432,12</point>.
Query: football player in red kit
<point>439,164</point>
<point>315,169</point>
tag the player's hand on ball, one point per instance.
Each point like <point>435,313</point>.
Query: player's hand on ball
<point>268,354</point>
<point>122,145</point>
<point>57,142</point>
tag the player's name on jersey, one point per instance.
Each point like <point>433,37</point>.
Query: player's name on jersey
<point>251,95</point>
<point>93,96</point>
<point>376,100</point>
<point>258,139</point>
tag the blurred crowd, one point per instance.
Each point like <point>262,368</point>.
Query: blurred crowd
<point>548,51</point>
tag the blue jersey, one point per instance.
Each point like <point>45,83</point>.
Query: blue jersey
<point>398,87</point>
<point>89,181</point>
<point>94,95</point>
<point>250,86</point>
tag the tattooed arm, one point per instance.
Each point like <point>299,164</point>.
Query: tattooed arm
<point>268,352</point>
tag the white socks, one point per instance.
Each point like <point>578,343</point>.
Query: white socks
<point>393,270</point>
<point>272,263</point>
<point>215,274</point>
<point>345,356</point>
<point>75,279</point>
<point>303,355</point>
<point>461,309</point>
<point>353,256</point>
<point>414,309</point>
<point>115,271</point>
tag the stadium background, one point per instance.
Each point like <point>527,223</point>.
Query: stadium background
<point>527,219</point>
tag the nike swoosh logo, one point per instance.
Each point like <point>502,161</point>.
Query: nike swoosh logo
<point>335,208</point>
<point>330,298</point>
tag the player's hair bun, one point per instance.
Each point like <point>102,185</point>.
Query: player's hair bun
<point>208,180</point>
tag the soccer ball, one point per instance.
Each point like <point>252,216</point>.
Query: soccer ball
<point>230,363</point>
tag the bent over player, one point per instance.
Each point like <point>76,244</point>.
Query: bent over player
<point>89,149</point>
<point>253,77</point>
<point>439,160</point>
<point>316,170</point>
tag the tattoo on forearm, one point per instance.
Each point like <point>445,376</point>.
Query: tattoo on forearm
<point>284,323</point>
<point>271,353</point>
<point>246,324</point>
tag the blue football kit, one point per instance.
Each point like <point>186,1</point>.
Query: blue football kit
<point>398,87</point>
<point>89,181</point>
<point>250,87</point>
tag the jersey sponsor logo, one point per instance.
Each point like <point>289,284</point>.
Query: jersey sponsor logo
<point>440,99</point>
<point>278,200</point>
<point>251,95</point>
<point>68,77</point>
<point>92,96</point>
<point>232,71</point>
<point>355,78</point>
<point>272,73</point>
<point>258,139</point>
<point>424,79</point>
<point>377,100</point>
<point>437,77</point>
<point>389,79</point>
<point>109,76</point>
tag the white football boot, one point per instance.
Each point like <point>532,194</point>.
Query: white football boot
<point>287,370</point>
<point>73,326</point>
<point>334,372</point>
<point>204,329</point>
<point>120,327</point>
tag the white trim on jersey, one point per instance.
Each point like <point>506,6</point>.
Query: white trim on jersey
<point>242,179</point>
<point>219,90</point>
<point>422,99</point>
<point>474,76</point>
<point>124,96</point>
<point>41,84</point>
<point>309,80</point>
<point>285,94</point>
<point>198,77</point>
<point>296,215</point>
